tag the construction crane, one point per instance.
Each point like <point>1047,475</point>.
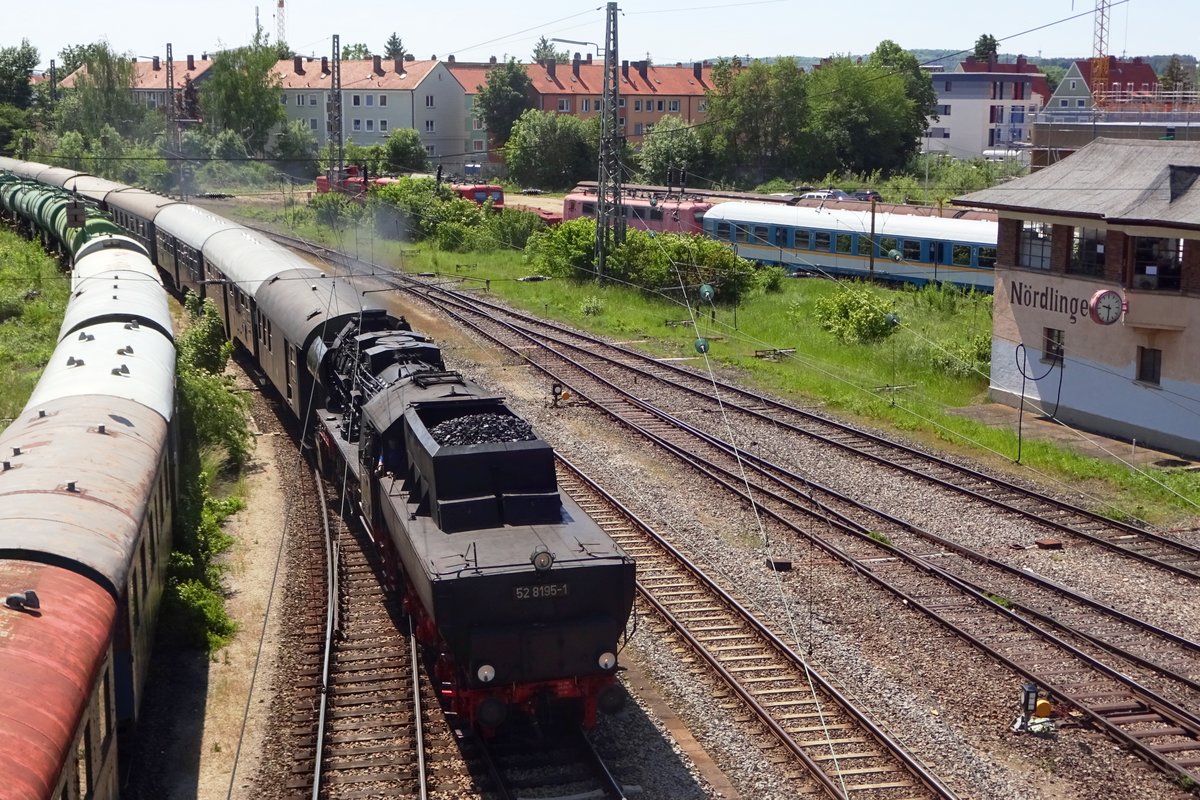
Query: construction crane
<point>280,22</point>
<point>1099,55</point>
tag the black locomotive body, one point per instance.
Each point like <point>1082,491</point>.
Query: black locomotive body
<point>523,596</point>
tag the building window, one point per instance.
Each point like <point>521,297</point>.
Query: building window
<point>673,106</point>
<point>660,106</point>
<point>429,126</point>
<point>429,101</point>
<point>564,104</point>
<point>943,111</point>
<point>1157,263</point>
<point>702,107</point>
<point>356,125</point>
<point>283,99</point>
<point>585,104</point>
<point>637,129</point>
<point>476,124</point>
<point>312,123</point>
<point>1062,103</point>
<point>946,86</point>
<point>370,125</point>
<point>370,99</point>
<point>1149,365</point>
<point>1087,252</point>
<point>1073,85</point>
<point>429,149</point>
<point>1081,103</point>
<point>355,100</point>
<point>1052,345</point>
<point>312,99</point>
<point>382,100</point>
<point>620,102</point>
<point>478,145</point>
<point>620,122</point>
<point>383,126</point>
<point>1034,249</point>
<point>637,105</point>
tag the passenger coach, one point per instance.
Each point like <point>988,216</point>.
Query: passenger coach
<point>891,247</point>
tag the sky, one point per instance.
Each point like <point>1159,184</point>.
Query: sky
<point>669,30</point>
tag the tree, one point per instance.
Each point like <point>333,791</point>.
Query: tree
<point>860,119</point>
<point>1054,75</point>
<point>918,83</point>
<point>503,99</point>
<point>394,47</point>
<point>296,149</point>
<point>102,96</point>
<point>1175,76</point>
<point>406,152</point>
<point>189,101</point>
<point>551,151</point>
<point>986,47</point>
<point>358,50</point>
<point>74,56</point>
<point>16,66</point>
<point>545,51</point>
<point>672,144</point>
<point>13,121</point>
<point>242,93</point>
<point>757,116</point>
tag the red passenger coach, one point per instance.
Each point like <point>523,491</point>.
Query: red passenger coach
<point>56,707</point>
<point>481,193</point>
<point>663,214</point>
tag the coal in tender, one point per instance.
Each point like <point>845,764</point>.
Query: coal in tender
<point>481,429</point>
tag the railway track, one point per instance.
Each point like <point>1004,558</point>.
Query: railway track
<point>1160,729</point>
<point>526,762</point>
<point>1030,641</point>
<point>841,750</point>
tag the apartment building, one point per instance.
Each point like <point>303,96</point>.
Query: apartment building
<point>150,78</point>
<point>985,107</point>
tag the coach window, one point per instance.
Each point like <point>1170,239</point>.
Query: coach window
<point>801,240</point>
<point>1052,345</point>
<point>987,257</point>
<point>911,250</point>
<point>821,241</point>
<point>781,237</point>
<point>761,235</point>
<point>588,209</point>
<point>1149,365</point>
<point>962,255</point>
<point>886,245</point>
<point>844,242</point>
<point>1087,252</point>
<point>740,233</point>
<point>723,230</point>
<point>1034,248</point>
<point>865,246</point>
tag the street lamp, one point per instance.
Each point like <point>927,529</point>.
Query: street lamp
<point>578,41</point>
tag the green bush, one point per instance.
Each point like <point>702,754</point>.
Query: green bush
<point>592,306</point>
<point>770,279</point>
<point>855,314</point>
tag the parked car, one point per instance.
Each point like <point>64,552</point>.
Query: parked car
<point>826,194</point>
<point>868,196</point>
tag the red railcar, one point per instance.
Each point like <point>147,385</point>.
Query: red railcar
<point>647,212</point>
<point>481,193</point>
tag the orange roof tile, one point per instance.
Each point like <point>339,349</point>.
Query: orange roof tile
<point>672,81</point>
<point>470,74</point>
<point>146,77</point>
<point>359,73</point>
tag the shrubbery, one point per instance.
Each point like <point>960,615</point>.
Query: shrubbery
<point>855,314</point>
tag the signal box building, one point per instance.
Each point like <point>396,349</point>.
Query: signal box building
<point>1097,291</point>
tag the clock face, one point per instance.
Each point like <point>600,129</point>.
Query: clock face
<point>1106,307</point>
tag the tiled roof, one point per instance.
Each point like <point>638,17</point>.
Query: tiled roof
<point>146,77</point>
<point>586,78</point>
<point>1131,181</point>
<point>1136,72</point>
<point>360,73</point>
<point>470,75</point>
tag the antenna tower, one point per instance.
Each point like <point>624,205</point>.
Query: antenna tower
<point>337,152</point>
<point>610,215</point>
<point>1100,54</point>
<point>280,22</point>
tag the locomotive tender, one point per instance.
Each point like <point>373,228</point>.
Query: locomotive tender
<point>517,590</point>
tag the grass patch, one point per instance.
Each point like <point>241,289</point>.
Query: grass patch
<point>933,363</point>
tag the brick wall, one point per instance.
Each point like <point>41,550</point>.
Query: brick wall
<point>1116,253</point>
<point>1061,239</point>
<point>1008,239</point>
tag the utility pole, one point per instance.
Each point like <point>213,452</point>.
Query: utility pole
<point>337,152</point>
<point>53,82</point>
<point>610,214</point>
<point>173,122</point>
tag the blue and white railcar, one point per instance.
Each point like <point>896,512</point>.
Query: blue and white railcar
<point>904,248</point>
